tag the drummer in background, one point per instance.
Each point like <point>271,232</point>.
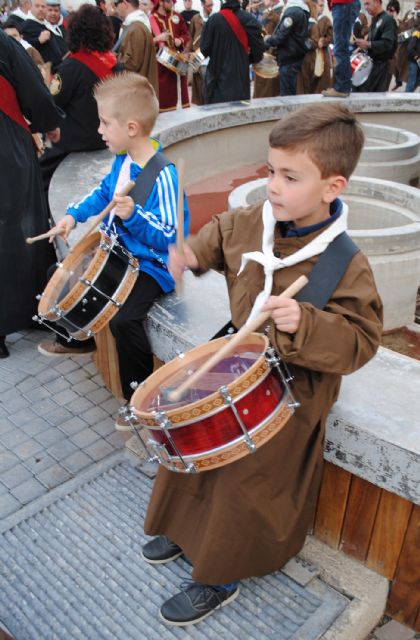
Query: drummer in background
<point>169,30</point>
<point>248,518</point>
<point>128,109</point>
<point>196,27</point>
<point>380,44</point>
<point>410,22</point>
<point>135,47</point>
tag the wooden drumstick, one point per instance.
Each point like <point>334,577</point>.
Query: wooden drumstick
<point>126,189</point>
<point>43,236</point>
<point>292,290</point>
<point>180,216</point>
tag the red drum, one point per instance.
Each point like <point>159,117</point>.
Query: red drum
<point>232,410</point>
<point>361,66</point>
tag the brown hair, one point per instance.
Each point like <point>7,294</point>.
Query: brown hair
<point>133,98</point>
<point>329,133</point>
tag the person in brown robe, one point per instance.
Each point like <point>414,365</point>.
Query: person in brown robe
<point>135,46</point>
<point>248,518</point>
<point>306,75</point>
<point>196,27</point>
<point>324,81</point>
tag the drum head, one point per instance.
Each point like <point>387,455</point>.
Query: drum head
<point>152,395</point>
<point>63,287</point>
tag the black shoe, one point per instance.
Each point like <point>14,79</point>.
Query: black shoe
<point>194,603</point>
<point>4,351</point>
<point>160,550</point>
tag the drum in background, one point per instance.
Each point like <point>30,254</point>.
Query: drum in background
<point>196,60</point>
<point>232,410</point>
<point>361,66</point>
<point>88,287</point>
<point>267,67</point>
<point>173,60</point>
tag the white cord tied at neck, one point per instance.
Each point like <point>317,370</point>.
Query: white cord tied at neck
<point>267,259</point>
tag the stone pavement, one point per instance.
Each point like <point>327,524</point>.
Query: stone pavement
<point>55,420</point>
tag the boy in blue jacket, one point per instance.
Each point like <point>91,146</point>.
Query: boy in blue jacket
<point>128,108</point>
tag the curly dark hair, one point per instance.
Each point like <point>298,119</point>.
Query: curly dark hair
<point>89,29</point>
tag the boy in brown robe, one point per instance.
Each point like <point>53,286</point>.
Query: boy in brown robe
<point>248,518</point>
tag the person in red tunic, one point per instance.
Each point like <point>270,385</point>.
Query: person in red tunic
<point>169,30</point>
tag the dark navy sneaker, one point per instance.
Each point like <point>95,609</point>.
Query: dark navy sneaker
<point>160,550</point>
<point>195,602</point>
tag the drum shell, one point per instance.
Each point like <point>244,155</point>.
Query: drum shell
<point>196,60</point>
<point>361,67</point>
<point>267,67</point>
<point>173,60</point>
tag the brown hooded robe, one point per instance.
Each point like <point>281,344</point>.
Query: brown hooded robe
<point>250,517</point>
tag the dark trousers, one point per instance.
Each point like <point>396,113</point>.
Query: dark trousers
<point>288,78</point>
<point>135,356</point>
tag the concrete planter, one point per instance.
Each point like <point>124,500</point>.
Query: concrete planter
<point>384,221</point>
<point>390,154</point>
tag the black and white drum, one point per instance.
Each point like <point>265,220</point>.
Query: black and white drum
<point>88,288</point>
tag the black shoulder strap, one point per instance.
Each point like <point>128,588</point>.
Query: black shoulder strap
<point>328,271</point>
<point>147,178</point>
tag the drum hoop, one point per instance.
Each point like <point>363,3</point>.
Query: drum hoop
<point>77,292</point>
<point>237,448</point>
<point>216,410</point>
<point>199,408</point>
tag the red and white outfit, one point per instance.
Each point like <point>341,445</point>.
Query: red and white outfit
<point>174,24</point>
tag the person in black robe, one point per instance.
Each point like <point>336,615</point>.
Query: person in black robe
<point>380,44</point>
<point>23,208</point>
<point>227,76</point>
<point>90,60</point>
<point>35,31</point>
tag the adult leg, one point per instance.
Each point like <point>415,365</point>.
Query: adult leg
<point>135,356</point>
<point>413,73</point>
<point>343,21</point>
<point>288,78</point>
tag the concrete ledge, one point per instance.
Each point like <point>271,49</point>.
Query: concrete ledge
<point>367,590</point>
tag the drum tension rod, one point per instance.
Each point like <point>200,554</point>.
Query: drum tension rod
<point>227,399</point>
<point>88,283</point>
<point>40,320</point>
<point>274,362</point>
<point>165,424</point>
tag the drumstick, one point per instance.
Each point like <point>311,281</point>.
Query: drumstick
<point>126,189</point>
<point>43,236</point>
<point>180,216</point>
<point>292,290</point>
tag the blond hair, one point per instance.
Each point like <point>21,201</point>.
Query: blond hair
<point>329,133</point>
<point>132,97</point>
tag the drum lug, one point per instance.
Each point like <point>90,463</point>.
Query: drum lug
<point>165,424</point>
<point>227,399</point>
